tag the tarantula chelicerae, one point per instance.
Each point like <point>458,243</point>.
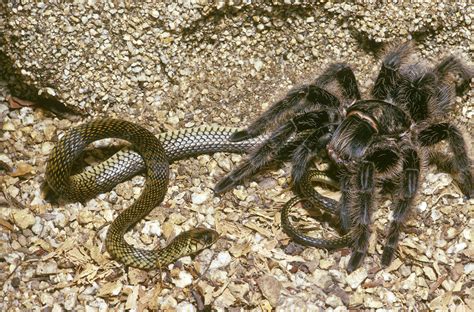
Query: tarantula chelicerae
<point>382,141</point>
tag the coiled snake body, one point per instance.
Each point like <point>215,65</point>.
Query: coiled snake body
<point>154,155</point>
<point>309,194</point>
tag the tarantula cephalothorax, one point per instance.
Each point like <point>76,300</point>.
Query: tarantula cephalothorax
<point>382,141</point>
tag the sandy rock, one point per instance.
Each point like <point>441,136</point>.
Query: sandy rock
<point>23,218</point>
<point>270,288</point>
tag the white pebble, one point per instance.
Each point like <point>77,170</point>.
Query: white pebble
<point>152,228</point>
<point>468,268</point>
<point>391,298</point>
<point>457,248</point>
<point>199,198</point>
<point>356,278</point>
<point>422,206</point>
<point>37,228</point>
<point>435,215</point>
<point>184,279</point>
<point>258,64</point>
<point>223,259</point>
<point>185,306</point>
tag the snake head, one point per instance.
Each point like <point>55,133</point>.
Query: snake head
<point>201,238</point>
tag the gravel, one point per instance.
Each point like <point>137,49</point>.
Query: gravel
<point>191,63</point>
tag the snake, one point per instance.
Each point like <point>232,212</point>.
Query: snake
<point>306,192</point>
<point>150,153</point>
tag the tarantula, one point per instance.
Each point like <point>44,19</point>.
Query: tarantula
<point>386,140</point>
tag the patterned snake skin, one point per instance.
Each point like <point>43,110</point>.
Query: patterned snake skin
<point>156,157</point>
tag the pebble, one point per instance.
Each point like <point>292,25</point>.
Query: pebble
<point>199,198</point>
<point>23,218</point>
<point>85,217</point>
<point>60,220</point>
<point>410,282</point>
<point>168,303</point>
<point>184,279</point>
<point>46,148</point>
<point>468,268</point>
<point>218,276</point>
<point>429,273</point>
<point>457,248</point>
<point>70,301</point>
<point>225,300</point>
<point>258,65</point>
<point>57,308</point>
<point>185,306</point>
<point>322,278</point>
<point>334,301</point>
<point>390,297</point>
<point>152,228</point>
<point>326,263</point>
<point>239,289</point>
<point>435,215</point>
<point>357,277</point>
<point>268,183</point>
<point>111,288</point>
<point>47,268</point>
<point>240,193</point>
<point>223,259</point>
<point>270,288</point>
<point>37,228</point>
<point>422,206</point>
<point>373,303</point>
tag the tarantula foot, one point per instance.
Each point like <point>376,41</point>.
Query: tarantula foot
<point>468,192</point>
<point>469,195</point>
<point>240,136</point>
<point>355,261</point>
<point>466,185</point>
<point>224,185</point>
<point>387,256</point>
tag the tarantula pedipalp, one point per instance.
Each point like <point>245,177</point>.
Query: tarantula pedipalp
<point>381,141</point>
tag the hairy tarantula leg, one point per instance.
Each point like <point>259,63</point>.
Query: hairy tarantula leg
<point>333,243</point>
<point>344,214</point>
<point>286,152</point>
<point>460,164</point>
<point>364,190</point>
<point>451,64</point>
<point>295,100</point>
<point>415,94</point>
<point>408,190</point>
<point>306,151</point>
<point>344,76</point>
<point>270,148</point>
<point>389,75</point>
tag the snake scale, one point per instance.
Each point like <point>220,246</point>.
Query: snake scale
<point>152,154</point>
